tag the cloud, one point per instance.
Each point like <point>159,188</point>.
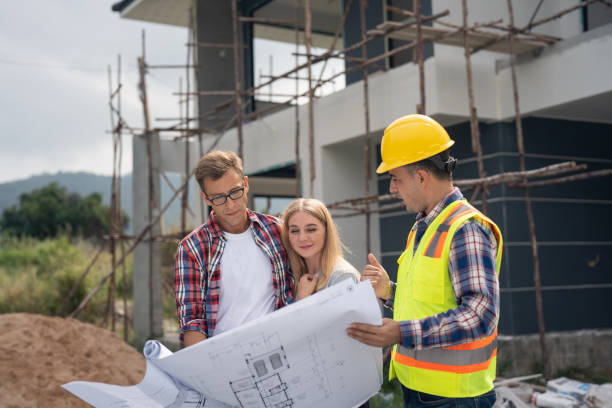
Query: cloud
<point>54,97</point>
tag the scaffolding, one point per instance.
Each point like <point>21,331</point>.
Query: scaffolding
<point>417,30</point>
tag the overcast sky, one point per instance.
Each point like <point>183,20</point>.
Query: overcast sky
<point>54,83</point>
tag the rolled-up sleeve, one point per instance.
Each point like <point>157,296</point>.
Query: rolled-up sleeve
<point>190,287</point>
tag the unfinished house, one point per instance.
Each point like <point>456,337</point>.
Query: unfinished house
<point>479,67</point>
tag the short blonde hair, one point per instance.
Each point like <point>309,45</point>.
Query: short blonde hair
<point>332,248</point>
<point>215,164</point>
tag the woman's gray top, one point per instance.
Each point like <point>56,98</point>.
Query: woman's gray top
<point>343,270</point>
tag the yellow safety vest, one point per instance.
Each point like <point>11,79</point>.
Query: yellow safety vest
<point>424,289</point>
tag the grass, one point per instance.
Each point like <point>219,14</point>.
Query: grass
<point>36,276</point>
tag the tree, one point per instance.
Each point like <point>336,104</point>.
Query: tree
<point>47,211</point>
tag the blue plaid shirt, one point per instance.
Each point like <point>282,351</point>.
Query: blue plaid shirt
<point>198,271</point>
<point>472,271</point>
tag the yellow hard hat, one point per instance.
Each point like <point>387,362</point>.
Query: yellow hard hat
<point>410,139</point>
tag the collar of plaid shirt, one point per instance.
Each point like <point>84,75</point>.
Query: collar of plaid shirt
<point>216,230</point>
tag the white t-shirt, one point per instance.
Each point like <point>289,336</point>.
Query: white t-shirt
<point>246,288</point>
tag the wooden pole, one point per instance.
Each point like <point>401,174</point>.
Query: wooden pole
<point>237,82</point>
<point>474,127</point>
<point>308,41</point>
<point>298,164</point>
<point>419,55</point>
<point>148,134</point>
<point>110,301</point>
<point>366,112</point>
<point>529,209</point>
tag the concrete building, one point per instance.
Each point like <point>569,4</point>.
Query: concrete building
<point>565,92</point>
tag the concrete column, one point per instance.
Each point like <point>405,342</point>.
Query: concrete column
<point>343,176</point>
<point>147,260</point>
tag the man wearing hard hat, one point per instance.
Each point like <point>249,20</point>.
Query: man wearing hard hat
<point>446,299</point>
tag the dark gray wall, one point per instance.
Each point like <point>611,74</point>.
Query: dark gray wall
<point>407,56</point>
<point>352,35</point>
<point>216,65</point>
<point>572,223</point>
<point>597,15</point>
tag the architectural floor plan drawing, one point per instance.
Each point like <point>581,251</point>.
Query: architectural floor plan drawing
<point>296,357</point>
<point>270,372</point>
<point>264,386</point>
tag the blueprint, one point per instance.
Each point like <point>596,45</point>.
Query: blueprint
<point>298,356</point>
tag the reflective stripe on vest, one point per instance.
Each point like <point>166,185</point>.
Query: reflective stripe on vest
<point>465,358</point>
<point>410,236</point>
<point>434,248</point>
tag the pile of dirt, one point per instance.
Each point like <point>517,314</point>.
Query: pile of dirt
<point>38,354</point>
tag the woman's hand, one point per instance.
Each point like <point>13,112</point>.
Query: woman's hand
<point>378,277</point>
<point>307,284</point>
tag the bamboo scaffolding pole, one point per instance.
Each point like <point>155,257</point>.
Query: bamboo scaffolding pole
<point>171,66</point>
<point>295,54</point>
<point>547,39</point>
<point>516,176</point>
<point>185,194</point>
<point>529,209</point>
<point>118,206</point>
<point>126,326</point>
<point>307,42</point>
<point>567,179</point>
<point>503,178</point>
<point>265,20</point>
<point>419,54</point>
<point>173,188</point>
<point>474,126</point>
<point>366,114</point>
<point>148,134</point>
<point>534,36</point>
<point>110,307</point>
<point>195,43</point>
<point>535,12</point>
<point>298,164</point>
<point>184,135</point>
<point>237,82</point>
<point>559,14</point>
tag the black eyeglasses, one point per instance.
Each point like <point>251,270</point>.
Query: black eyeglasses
<point>221,199</point>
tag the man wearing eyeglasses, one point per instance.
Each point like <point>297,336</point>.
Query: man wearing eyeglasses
<point>233,268</point>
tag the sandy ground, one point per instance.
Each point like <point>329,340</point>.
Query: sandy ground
<point>38,354</point>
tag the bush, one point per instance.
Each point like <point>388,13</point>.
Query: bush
<point>50,211</point>
<point>37,276</point>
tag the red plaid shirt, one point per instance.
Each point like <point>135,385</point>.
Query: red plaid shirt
<point>198,269</point>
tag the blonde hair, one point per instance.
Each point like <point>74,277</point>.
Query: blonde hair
<point>215,164</point>
<point>332,247</point>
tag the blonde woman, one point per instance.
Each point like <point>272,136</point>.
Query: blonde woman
<point>313,245</point>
